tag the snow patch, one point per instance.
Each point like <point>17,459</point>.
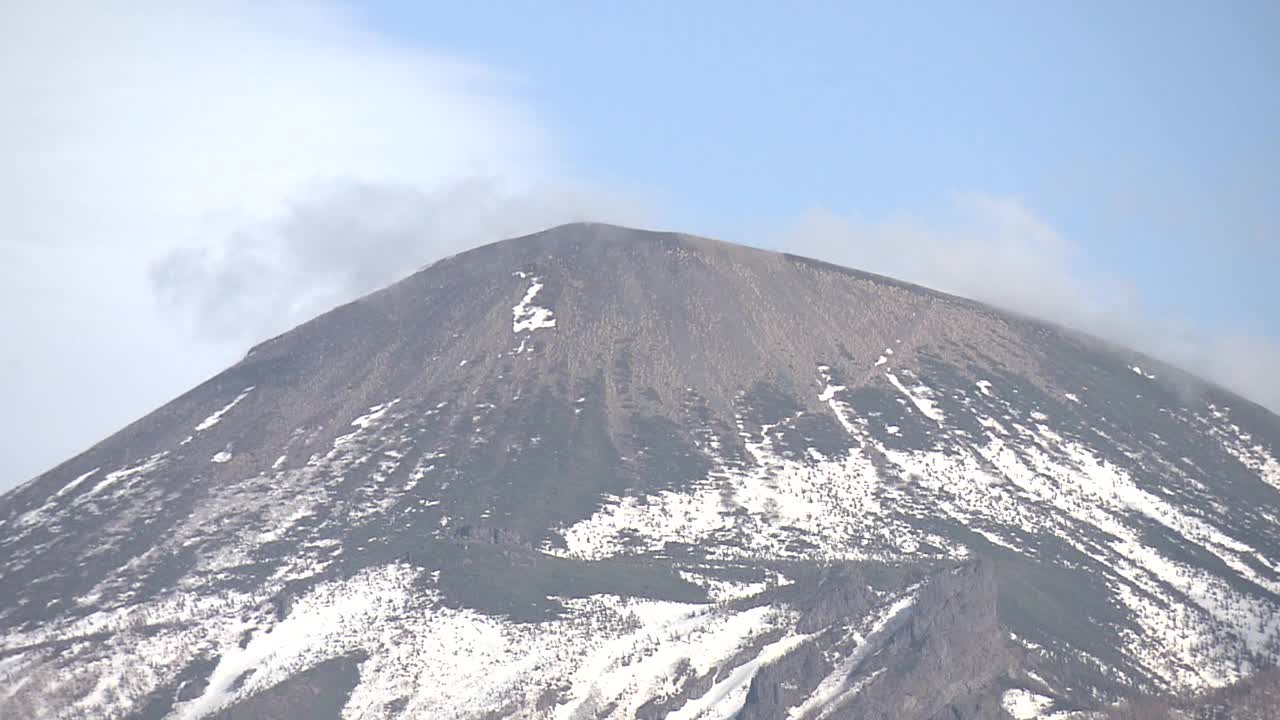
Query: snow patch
<point>215,418</point>
<point>724,590</point>
<point>139,470</point>
<point>363,422</point>
<point>834,505</point>
<point>75,483</point>
<point>525,316</point>
<point>829,392</point>
<point>1024,704</point>
<point>921,396</point>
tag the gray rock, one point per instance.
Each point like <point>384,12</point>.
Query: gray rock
<point>703,487</point>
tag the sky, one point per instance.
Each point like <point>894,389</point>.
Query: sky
<point>186,179</point>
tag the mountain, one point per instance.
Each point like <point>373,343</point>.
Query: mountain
<point>604,473</point>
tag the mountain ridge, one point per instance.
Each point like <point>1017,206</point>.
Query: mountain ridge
<point>635,459</point>
<point>1192,383</point>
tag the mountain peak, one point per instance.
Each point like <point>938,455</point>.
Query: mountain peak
<point>606,472</point>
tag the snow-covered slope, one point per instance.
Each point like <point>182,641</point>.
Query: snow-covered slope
<point>603,473</point>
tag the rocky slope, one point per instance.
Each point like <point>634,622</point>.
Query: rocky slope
<point>599,472</point>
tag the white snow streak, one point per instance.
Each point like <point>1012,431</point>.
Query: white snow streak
<point>215,418</point>
<point>75,483</point>
<point>112,478</point>
<point>835,689</point>
<point>725,699</point>
<point>921,396</point>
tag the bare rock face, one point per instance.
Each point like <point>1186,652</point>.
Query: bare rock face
<point>940,654</point>
<point>946,658</point>
<point>605,473</point>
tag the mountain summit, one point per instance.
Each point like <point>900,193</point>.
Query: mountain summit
<point>598,472</point>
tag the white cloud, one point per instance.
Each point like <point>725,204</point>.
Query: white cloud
<point>178,110</point>
<point>129,129</point>
<point>340,240</point>
<point>994,249</point>
<point>981,246</point>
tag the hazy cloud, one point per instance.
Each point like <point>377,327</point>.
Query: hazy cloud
<point>280,143</point>
<point>340,240</point>
<point>995,249</point>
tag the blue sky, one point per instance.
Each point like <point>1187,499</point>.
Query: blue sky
<point>183,180</point>
<point>1147,132</point>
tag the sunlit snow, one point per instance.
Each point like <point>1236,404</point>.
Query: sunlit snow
<point>1023,704</point>
<point>216,417</point>
<point>526,316</point>
<point>921,396</point>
